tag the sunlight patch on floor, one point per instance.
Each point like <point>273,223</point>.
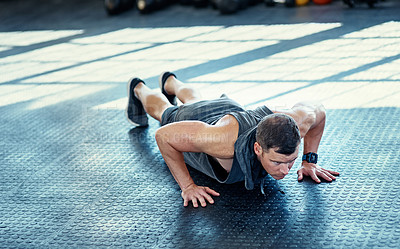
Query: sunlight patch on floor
<point>342,73</point>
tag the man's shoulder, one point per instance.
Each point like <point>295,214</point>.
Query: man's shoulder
<point>227,121</point>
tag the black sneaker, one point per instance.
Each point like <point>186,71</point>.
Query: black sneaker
<point>134,111</point>
<point>163,78</point>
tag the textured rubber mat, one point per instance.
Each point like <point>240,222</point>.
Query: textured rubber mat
<point>106,186</point>
<point>74,174</point>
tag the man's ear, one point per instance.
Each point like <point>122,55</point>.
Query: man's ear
<point>257,149</point>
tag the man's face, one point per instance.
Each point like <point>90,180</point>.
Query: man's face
<point>277,165</point>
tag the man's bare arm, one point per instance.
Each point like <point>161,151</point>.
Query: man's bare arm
<point>310,118</point>
<point>187,136</point>
<point>312,127</point>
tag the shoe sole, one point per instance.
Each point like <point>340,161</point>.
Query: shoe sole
<point>126,109</point>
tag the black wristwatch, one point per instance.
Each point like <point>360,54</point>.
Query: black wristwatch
<point>311,157</point>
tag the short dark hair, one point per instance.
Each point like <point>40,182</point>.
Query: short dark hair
<point>278,131</point>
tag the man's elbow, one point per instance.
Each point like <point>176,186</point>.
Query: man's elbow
<point>161,136</point>
<point>320,113</point>
<point>316,114</point>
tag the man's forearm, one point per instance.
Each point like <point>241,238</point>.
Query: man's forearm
<point>176,164</point>
<point>313,137</point>
<point>174,139</point>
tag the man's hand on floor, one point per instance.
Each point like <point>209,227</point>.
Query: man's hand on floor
<point>315,171</point>
<point>196,193</point>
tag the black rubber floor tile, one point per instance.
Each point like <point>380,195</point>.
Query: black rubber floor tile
<point>74,175</point>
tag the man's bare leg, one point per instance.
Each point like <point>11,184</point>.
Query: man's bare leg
<point>184,93</point>
<point>154,102</point>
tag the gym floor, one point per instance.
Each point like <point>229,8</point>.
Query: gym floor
<point>74,173</point>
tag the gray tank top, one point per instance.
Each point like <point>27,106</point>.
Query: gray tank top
<point>244,157</point>
<point>245,163</point>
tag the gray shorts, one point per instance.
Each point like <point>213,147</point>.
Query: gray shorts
<point>208,111</point>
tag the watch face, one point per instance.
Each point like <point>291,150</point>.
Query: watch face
<point>313,158</point>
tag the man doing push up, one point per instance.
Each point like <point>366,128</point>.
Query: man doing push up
<point>223,140</point>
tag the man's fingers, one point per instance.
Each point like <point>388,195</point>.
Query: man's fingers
<point>198,195</point>
<point>325,176</point>
<point>333,172</point>
<point>330,175</point>
<point>315,177</point>
<point>209,198</point>
<point>316,172</point>
<point>211,191</point>
<point>194,202</point>
<point>202,201</point>
<point>300,174</point>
